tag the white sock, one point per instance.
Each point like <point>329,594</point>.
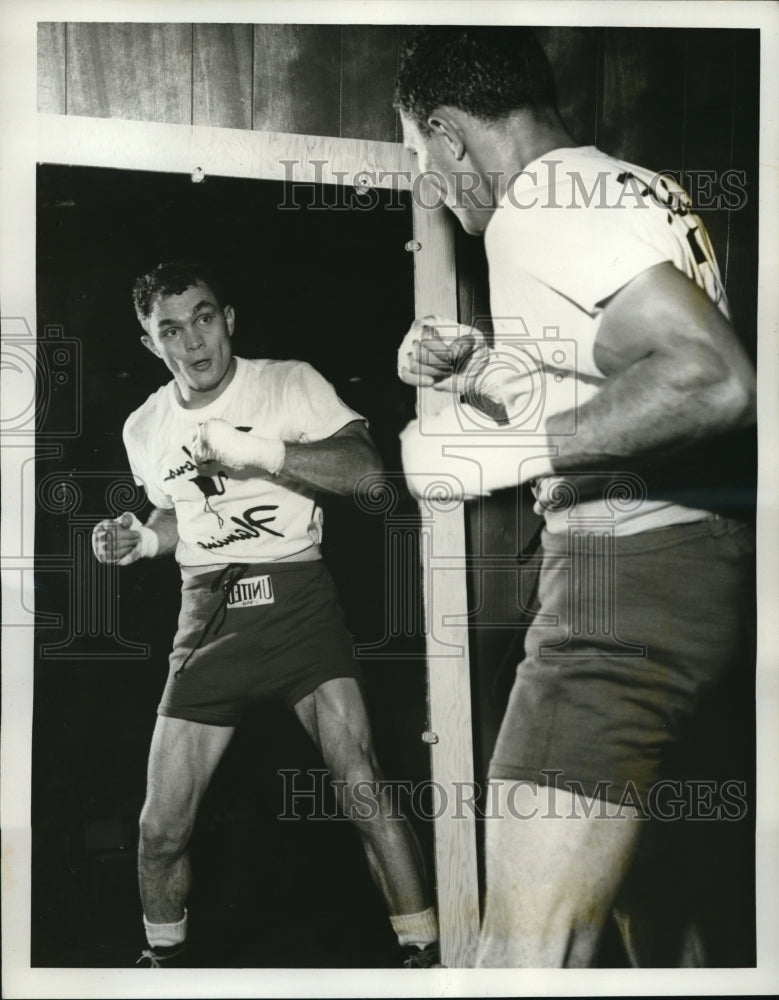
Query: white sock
<point>166,935</point>
<point>419,929</point>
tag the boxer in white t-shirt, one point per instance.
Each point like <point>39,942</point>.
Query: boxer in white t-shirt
<point>231,453</point>
<point>616,384</point>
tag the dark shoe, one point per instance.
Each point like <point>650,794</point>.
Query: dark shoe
<point>423,958</point>
<point>162,958</point>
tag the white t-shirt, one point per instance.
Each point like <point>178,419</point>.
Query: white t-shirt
<point>230,515</point>
<point>573,228</point>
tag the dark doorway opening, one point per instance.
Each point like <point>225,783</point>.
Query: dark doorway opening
<point>322,283</point>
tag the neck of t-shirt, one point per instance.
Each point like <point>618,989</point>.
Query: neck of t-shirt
<point>216,405</point>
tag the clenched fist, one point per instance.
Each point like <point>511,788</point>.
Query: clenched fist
<point>218,441</point>
<point>443,354</point>
<point>123,540</point>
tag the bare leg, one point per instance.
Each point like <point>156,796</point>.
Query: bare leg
<point>551,882</point>
<point>653,911</point>
<point>640,944</point>
<point>181,761</point>
<point>335,717</point>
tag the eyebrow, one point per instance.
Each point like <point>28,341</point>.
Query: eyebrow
<point>203,304</point>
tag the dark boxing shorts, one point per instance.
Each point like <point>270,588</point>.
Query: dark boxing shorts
<point>248,633</point>
<point>631,636</point>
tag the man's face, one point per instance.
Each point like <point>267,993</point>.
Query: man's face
<point>191,334</point>
<point>449,180</point>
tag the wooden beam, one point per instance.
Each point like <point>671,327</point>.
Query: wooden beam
<point>449,683</point>
<point>133,145</point>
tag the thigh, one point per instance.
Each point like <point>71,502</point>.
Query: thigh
<point>182,760</point>
<point>550,837</point>
<point>335,717</point>
<point>554,865</point>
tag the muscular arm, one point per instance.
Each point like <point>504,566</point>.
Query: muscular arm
<point>334,464</point>
<point>676,373</point>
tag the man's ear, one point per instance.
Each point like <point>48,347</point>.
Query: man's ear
<point>442,123</point>
<point>229,314</point>
<point>149,344</point>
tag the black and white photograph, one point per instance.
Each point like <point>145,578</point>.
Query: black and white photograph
<point>389,537</point>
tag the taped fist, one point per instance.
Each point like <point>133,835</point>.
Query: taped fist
<point>443,354</point>
<point>218,441</point>
<point>123,540</point>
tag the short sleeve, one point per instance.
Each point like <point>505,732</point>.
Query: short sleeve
<point>313,410</point>
<point>583,246</point>
<point>138,459</point>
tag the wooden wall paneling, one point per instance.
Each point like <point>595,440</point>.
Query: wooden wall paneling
<point>297,78</point>
<point>741,259</point>
<point>443,548</point>
<point>708,131</point>
<point>405,33</point>
<point>494,539</point>
<point>222,83</point>
<point>641,115</point>
<point>500,591</point>
<point>138,71</point>
<point>473,287</point>
<point>369,64</point>
<point>574,55</point>
<point>52,91</point>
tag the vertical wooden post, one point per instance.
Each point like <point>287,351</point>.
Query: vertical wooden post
<point>448,665</point>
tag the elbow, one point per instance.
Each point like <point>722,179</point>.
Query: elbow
<point>371,466</point>
<point>366,471</point>
<point>727,390</point>
<point>737,401</point>
<point>747,412</point>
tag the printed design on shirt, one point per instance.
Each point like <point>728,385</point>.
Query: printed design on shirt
<point>680,215</point>
<point>248,526</point>
<point>181,470</point>
<point>209,486</point>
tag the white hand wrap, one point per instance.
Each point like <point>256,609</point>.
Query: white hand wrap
<point>218,441</point>
<point>449,332</point>
<point>440,456</point>
<point>147,545</point>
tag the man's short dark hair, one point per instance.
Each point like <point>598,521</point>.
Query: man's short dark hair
<point>486,71</point>
<point>172,278</point>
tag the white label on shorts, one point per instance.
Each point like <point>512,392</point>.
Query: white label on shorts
<point>251,592</point>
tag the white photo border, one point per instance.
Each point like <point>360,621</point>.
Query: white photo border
<point>18,128</point>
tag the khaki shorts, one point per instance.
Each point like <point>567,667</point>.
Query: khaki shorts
<point>631,637</point>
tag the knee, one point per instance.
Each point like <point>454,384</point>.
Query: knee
<point>547,924</point>
<point>513,937</point>
<point>162,836</point>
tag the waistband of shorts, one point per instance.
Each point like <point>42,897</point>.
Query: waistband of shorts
<point>714,526</point>
<point>285,566</point>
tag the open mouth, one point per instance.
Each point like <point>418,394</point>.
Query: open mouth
<point>202,366</point>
